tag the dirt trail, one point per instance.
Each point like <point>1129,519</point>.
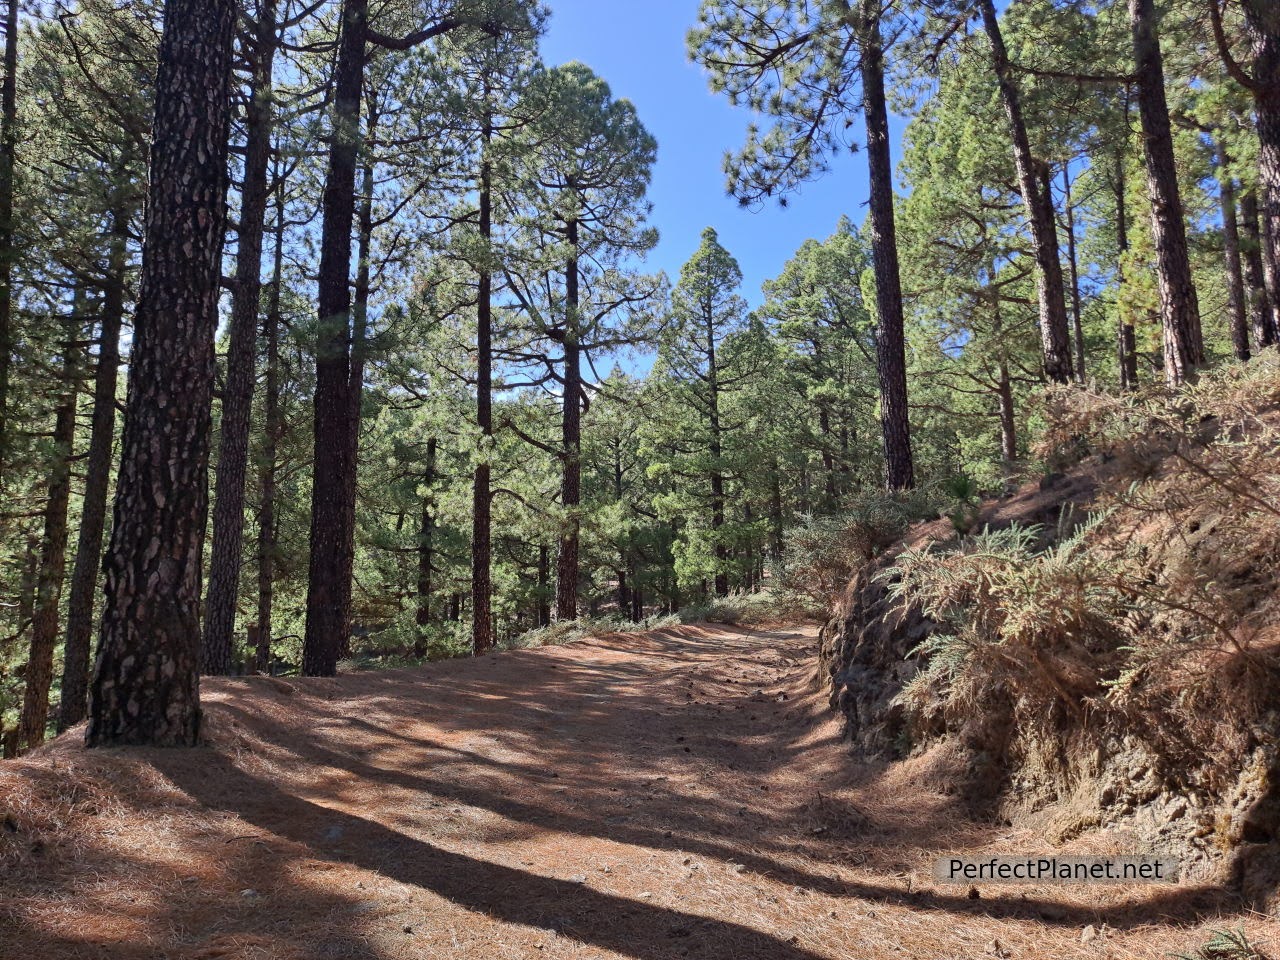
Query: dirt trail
<point>676,794</point>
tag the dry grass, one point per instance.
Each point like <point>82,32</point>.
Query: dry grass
<point>681,793</point>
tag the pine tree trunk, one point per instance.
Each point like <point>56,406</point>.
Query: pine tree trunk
<point>426,552</point>
<point>637,592</point>
<point>1262,18</point>
<point>891,358</point>
<point>1126,339</point>
<point>1179,310</point>
<point>53,550</point>
<point>1008,419</point>
<point>828,459</point>
<point>776,520</point>
<point>328,627</point>
<point>571,439</point>
<point>1077,320</point>
<point>271,432</point>
<point>717,456</point>
<point>1054,337</point>
<point>544,585</point>
<point>623,592</point>
<point>146,687</point>
<point>8,253</point>
<point>482,639</point>
<point>359,357</point>
<point>1236,315</point>
<point>97,484</point>
<point>1262,318</point>
<point>226,555</point>
<point>26,604</point>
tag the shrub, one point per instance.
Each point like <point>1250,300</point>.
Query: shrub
<point>1040,625</point>
<point>568,631</point>
<point>1156,620</point>
<point>823,555</point>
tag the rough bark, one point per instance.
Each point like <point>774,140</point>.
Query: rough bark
<point>1054,337</point>
<point>8,170</point>
<point>146,689</point>
<point>891,358</point>
<point>571,441</point>
<point>1237,317</point>
<point>53,553</point>
<point>1008,419</point>
<point>26,604</point>
<point>1179,309</point>
<point>273,426</point>
<point>97,484</point>
<point>1077,319</point>
<point>482,639</point>
<point>1262,19</point>
<point>355,383</point>
<point>328,600</point>
<point>426,551</point>
<point>1262,318</point>
<point>1126,339</point>
<point>226,555</point>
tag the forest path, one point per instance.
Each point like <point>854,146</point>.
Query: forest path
<point>680,793</point>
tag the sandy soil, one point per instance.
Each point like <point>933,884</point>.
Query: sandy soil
<point>677,794</point>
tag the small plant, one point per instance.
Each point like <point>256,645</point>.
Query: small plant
<point>965,503</point>
<point>1226,945</point>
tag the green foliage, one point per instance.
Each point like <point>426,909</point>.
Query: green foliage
<point>794,62</point>
<point>753,446</point>
<point>1226,945</point>
<point>823,554</point>
<point>964,502</point>
<point>1016,617</point>
<point>750,609</point>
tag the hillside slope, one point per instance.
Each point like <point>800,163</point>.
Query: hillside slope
<point>1100,651</point>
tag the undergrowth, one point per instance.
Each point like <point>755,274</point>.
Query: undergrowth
<point>1156,617</point>
<point>568,631</point>
<point>824,553</point>
<point>771,605</point>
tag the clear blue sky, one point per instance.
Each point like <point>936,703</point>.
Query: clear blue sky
<point>638,47</point>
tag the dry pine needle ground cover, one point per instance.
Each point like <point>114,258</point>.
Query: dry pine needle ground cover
<point>682,793</point>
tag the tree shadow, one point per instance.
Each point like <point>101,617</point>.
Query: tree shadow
<point>629,927</point>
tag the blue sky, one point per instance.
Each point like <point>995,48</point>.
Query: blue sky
<point>638,47</point>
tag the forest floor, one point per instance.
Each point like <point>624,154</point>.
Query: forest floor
<point>683,793</point>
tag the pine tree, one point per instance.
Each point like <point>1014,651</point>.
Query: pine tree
<point>710,350</point>
<point>805,71</point>
<point>588,163</point>
<point>237,395</point>
<point>1033,184</point>
<point>1179,307</point>
<point>145,688</point>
